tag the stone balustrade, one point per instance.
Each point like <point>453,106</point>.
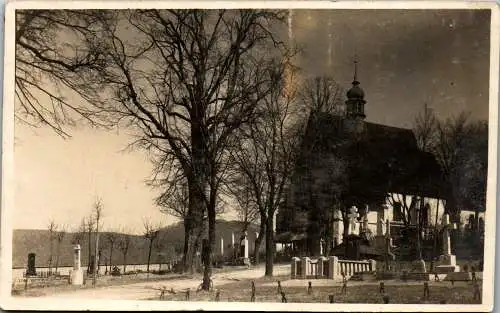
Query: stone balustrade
<point>331,267</point>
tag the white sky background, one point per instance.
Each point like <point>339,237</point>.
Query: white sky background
<point>405,61</point>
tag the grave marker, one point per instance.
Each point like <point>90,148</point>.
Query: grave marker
<point>77,272</point>
<point>31,271</point>
<point>283,298</point>
<point>344,287</point>
<point>382,287</point>
<point>447,261</point>
<point>353,220</point>
<point>252,297</point>
<point>426,290</point>
<point>477,292</point>
<point>386,299</point>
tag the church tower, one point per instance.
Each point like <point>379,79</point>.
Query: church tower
<point>355,104</point>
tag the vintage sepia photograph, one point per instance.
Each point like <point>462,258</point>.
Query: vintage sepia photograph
<point>314,156</point>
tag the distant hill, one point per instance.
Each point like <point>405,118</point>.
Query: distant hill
<point>171,242</point>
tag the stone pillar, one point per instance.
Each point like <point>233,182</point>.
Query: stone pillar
<point>77,272</point>
<point>373,265</point>
<point>333,263</point>
<point>222,246</point>
<point>245,242</point>
<point>321,265</point>
<point>294,267</point>
<point>304,265</point>
<point>447,261</point>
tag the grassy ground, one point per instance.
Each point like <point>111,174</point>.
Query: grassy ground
<point>41,287</point>
<point>359,292</point>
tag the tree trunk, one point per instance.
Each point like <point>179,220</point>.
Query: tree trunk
<point>149,253</point>
<point>90,250</point>
<point>258,240</point>
<point>345,221</point>
<point>419,225</point>
<point>193,227</point>
<point>57,256</point>
<point>329,236</point>
<point>269,245</point>
<point>207,272</point>
<point>124,263</point>
<point>110,256</point>
<point>190,244</point>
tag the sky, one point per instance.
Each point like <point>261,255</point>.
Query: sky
<point>406,59</point>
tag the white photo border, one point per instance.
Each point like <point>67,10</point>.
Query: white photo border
<point>8,302</point>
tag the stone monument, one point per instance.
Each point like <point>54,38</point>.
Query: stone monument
<point>447,262</point>
<point>77,272</point>
<point>246,259</point>
<point>222,246</point>
<point>353,222</point>
<point>31,270</point>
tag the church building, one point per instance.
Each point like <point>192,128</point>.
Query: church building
<point>346,162</point>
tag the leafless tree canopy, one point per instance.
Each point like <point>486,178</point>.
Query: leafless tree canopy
<point>322,94</point>
<point>266,153</point>
<point>460,146</point>
<point>49,73</point>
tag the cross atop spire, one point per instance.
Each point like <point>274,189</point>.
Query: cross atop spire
<point>355,68</point>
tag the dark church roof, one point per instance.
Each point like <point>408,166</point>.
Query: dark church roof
<point>382,158</point>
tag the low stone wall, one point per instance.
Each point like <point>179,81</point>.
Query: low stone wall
<point>331,267</point>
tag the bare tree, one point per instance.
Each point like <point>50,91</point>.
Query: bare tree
<point>425,129</point>
<point>97,215</point>
<point>61,233</point>
<point>266,156</point>
<point>89,228</point>
<point>460,147</point>
<point>48,73</point>
<point>193,79</point>
<point>246,208</point>
<point>111,237</point>
<point>449,150</point>
<point>151,234</point>
<point>322,94</point>
<point>124,244</point>
<point>52,228</point>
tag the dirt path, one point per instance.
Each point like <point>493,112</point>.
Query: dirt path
<point>145,290</point>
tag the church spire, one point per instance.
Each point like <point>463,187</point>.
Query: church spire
<point>355,103</point>
<point>355,79</point>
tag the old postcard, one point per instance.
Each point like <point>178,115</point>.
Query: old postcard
<point>312,156</point>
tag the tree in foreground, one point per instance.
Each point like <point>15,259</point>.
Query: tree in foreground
<point>266,154</point>
<point>187,81</point>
